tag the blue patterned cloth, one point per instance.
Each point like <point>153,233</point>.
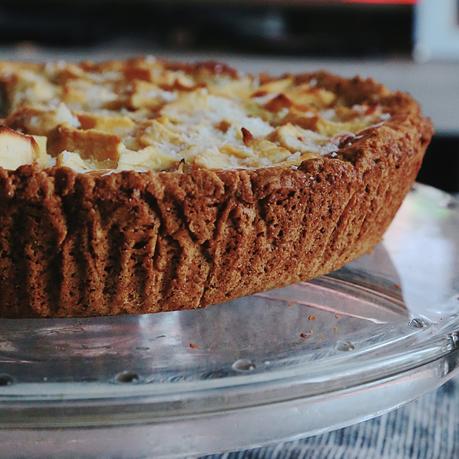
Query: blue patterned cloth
<point>425,429</point>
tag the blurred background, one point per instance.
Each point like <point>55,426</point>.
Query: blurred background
<point>406,44</point>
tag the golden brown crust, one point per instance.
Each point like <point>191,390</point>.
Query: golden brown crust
<point>133,242</point>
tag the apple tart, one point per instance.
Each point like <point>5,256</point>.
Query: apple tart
<point>142,185</point>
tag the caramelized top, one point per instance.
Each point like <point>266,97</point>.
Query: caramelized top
<point>148,114</point>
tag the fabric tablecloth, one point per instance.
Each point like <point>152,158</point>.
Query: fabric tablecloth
<point>427,428</point>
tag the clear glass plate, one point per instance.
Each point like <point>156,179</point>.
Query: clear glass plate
<point>291,362</point>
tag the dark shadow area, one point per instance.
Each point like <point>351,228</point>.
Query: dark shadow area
<point>441,164</point>
<point>266,27</point>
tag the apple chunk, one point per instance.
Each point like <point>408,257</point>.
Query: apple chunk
<point>17,149</point>
<point>90,143</point>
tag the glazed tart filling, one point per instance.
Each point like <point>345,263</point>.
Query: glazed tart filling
<point>150,115</point>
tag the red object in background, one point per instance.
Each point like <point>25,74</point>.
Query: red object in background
<point>383,2</point>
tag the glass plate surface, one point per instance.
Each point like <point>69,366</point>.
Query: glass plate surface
<point>282,364</point>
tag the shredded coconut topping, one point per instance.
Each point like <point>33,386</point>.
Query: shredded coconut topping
<point>146,114</point>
